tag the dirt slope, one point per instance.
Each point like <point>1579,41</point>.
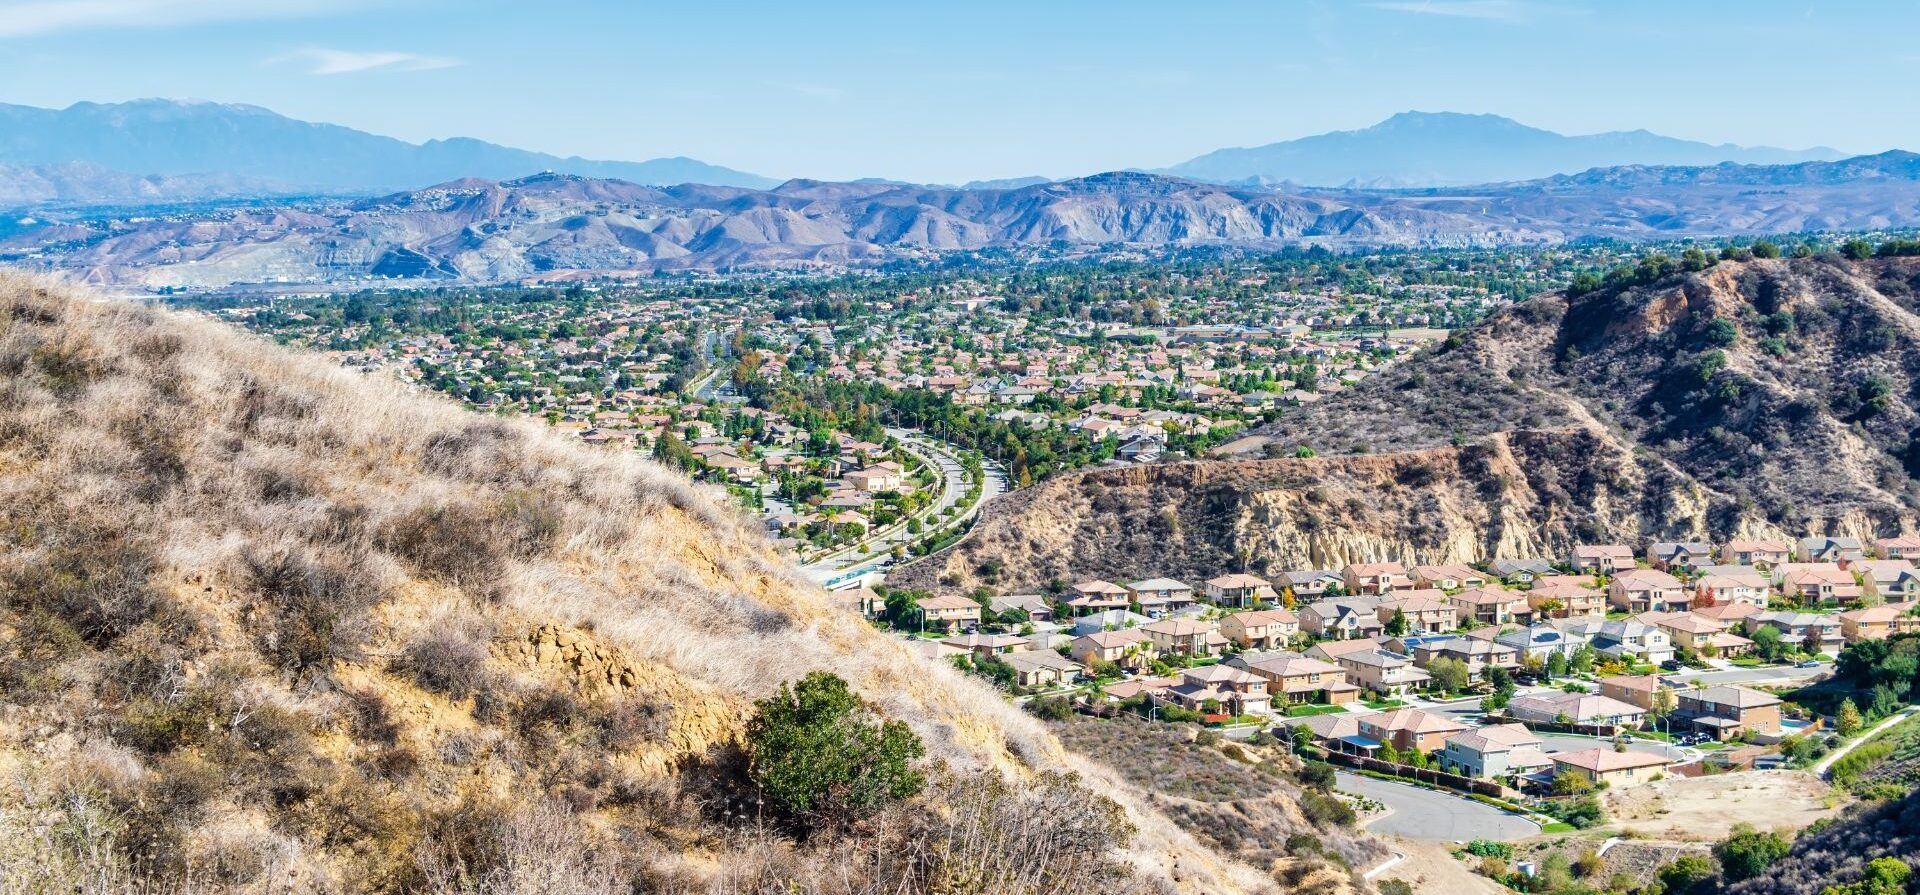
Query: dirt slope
<point>268,624</point>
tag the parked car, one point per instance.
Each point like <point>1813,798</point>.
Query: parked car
<point>1810,663</point>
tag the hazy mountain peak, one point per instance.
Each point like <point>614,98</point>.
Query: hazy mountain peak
<point>1417,148</point>
<point>173,138</point>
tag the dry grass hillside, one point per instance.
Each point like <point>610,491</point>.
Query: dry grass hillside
<point>267,625</point>
<point>1762,398</point>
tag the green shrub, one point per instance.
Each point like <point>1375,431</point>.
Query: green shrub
<point>819,754</point>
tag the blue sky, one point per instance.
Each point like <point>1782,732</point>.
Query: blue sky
<point>949,92</point>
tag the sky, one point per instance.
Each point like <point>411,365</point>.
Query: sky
<point>950,92</point>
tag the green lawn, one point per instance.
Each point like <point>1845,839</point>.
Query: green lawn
<point>1711,746</point>
<point>1383,704</point>
<point>1302,711</point>
<point>1559,827</point>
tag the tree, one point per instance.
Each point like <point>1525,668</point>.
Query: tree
<point>1884,876</point>
<point>1556,665</point>
<point>1748,852</point>
<point>1686,874</point>
<point>1847,719</point>
<point>1857,249</point>
<point>1450,675</point>
<point>1663,702</point>
<point>1397,625</point>
<point>1767,642</point>
<point>1568,783</point>
<point>819,754</point>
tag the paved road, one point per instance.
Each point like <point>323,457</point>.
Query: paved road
<point>1426,814</point>
<point>875,553</point>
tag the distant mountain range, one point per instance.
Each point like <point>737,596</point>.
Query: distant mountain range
<point>1419,149</point>
<point>559,226</point>
<point>226,144</point>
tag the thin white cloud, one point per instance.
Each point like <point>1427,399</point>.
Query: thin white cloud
<point>1491,10</point>
<point>25,18</point>
<point>345,62</point>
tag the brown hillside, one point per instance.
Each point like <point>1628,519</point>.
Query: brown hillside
<point>1766,398</point>
<point>267,625</point>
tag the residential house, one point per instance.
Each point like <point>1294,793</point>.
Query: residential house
<point>1160,596</point>
<point>1382,672</point>
<point>1732,584</point>
<point>863,600</point>
<point>987,646</point>
<point>1634,689</point>
<point>1880,622</point>
<point>1183,637</point>
<point>1669,555</point>
<point>1604,766</point>
<point>1261,628</point>
<point>1493,752</point>
<point>1109,620</point>
<point>1635,641</point>
<point>1425,612</point>
<point>1901,547</point>
<point>1239,590</point>
<point>1539,641</point>
<point>1308,584</point>
<point>1889,579</point>
<point>1035,606</point>
<point>1096,596</point>
<point>1221,688</point>
<point>1409,729</point>
<point>1041,669</point>
<point>1647,590</point>
<point>1128,649</point>
<point>875,479</point>
<point>1762,555</point>
<point>1478,655</point>
<point>1575,708</point>
<point>1520,571</point>
<point>1819,583</point>
<point>1560,600</point>
<point>1342,618</point>
<point>1493,606</point>
<point>1701,634</point>
<point>1294,679</point>
<point>1376,578</point>
<point>1728,711</point>
<point>1449,577</point>
<point>1821,548</point>
<point>1601,559</point>
<point>1338,731</point>
<point>950,612</point>
<point>1734,614</point>
<point>1809,630</point>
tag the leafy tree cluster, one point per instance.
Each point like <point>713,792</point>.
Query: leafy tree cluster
<point>822,757</point>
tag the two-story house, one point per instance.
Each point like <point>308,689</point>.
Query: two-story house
<point>1728,711</point>
<point>1493,752</point>
<point>1566,600</point>
<point>1294,679</point>
<point>1376,578</point>
<point>1160,596</point>
<point>1261,628</point>
<point>1821,548</point>
<point>1493,606</point>
<point>1424,612</point>
<point>1762,555</point>
<point>1092,596</point>
<point>1448,577</point>
<point>1647,590</point>
<point>1670,555</point>
<point>1238,590</point>
<point>1478,655</point>
<point>1183,637</point>
<point>1342,618</point>
<point>1409,729</point>
<point>1601,559</point>
<point>1880,622</point>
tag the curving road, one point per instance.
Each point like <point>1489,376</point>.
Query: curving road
<point>1418,813</point>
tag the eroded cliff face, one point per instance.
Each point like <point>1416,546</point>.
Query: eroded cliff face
<point>1514,494</point>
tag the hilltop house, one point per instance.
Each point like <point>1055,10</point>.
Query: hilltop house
<point>1096,596</point>
<point>1727,712</point>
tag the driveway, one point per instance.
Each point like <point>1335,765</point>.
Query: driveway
<point>1771,674</point>
<point>1418,813</point>
<point>1556,742</point>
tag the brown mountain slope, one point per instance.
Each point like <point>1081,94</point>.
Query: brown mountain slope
<point>269,625</point>
<point>1772,397</point>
